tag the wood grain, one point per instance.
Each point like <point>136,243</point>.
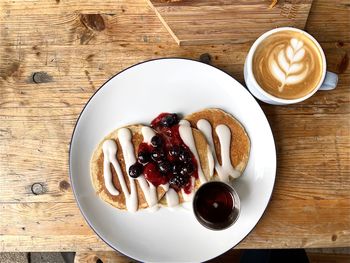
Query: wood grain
<point>105,257</point>
<point>330,22</point>
<point>219,22</point>
<point>53,58</point>
<point>36,226</point>
<point>61,6</point>
<point>115,257</point>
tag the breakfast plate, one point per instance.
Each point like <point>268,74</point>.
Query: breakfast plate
<point>138,94</point>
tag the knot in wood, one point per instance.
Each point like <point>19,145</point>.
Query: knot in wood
<point>93,21</point>
<point>41,77</point>
<point>205,58</point>
<point>64,185</point>
<point>37,189</point>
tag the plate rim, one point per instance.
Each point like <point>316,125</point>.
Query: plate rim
<point>100,88</point>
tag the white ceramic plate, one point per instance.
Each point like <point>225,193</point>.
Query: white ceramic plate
<point>137,95</point>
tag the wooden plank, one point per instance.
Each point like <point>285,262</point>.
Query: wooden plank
<point>42,163</point>
<point>75,71</point>
<point>112,7</point>
<point>48,219</point>
<point>105,257</point>
<point>232,255</point>
<point>218,22</point>
<point>51,243</point>
<point>59,227</point>
<point>329,21</point>
<point>52,27</point>
<point>125,27</point>
<point>68,29</point>
<point>71,69</point>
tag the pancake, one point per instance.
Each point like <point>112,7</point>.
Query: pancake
<point>239,143</point>
<point>96,169</point>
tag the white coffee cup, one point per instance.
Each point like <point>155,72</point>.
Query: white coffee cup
<point>329,79</point>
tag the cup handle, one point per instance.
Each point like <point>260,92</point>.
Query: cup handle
<point>330,81</point>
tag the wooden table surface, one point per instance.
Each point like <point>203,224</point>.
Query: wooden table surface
<point>54,54</point>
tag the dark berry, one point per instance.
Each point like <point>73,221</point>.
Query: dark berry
<point>189,168</point>
<point>178,181</point>
<point>143,157</point>
<point>156,141</point>
<point>135,170</point>
<point>184,156</point>
<point>174,151</point>
<point>164,167</point>
<point>157,156</point>
<point>184,170</point>
<point>169,120</point>
<point>175,168</point>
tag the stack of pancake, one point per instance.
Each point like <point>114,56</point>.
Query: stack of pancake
<point>209,127</point>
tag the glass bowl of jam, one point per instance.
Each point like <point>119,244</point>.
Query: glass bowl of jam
<point>216,205</point>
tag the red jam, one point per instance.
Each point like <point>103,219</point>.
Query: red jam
<point>167,159</point>
<point>153,175</point>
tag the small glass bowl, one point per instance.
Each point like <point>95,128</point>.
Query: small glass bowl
<point>216,205</point>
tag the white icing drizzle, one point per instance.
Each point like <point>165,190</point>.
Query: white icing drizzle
<point>225,169</point>
<point>147,134</point>
<point>187,137</point>
<point>124,136</point>
<point>110,151</point>
<point>209,153</point>
<point>185,123</point>
<point>110,156</point>
<point>149,190</point>
<point>172,198</point>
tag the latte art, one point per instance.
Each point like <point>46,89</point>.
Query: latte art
<point>287,65</point>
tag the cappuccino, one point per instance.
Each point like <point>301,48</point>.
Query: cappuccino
<point>288,65</point>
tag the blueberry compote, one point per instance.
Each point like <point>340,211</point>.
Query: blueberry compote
<point>166,159</point>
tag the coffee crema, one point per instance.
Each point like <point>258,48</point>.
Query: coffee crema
<point>288,65</point>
